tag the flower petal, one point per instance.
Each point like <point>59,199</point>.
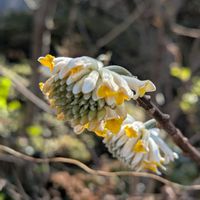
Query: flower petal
<point>47,61</point>
<point>123,85</point>
<point>90,82</point>
<point>140,87</point>
<point>78,86</point>
<point>75,77</point>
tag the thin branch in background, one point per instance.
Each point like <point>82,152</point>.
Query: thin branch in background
<point>185,31</point>
<point>24,90</point>
<point>119,29</point>
<point>98,172</point>
<point>169,127</point>
<point>31,4</point>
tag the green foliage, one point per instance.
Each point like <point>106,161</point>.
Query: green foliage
<point>22,68</point>
<point>196,85</point>
<point>2,196</point>
<point>34,130</point>
<point>5,85</point>
<point>182,73</point>
<point>14,105</point>
<point>190,99</point>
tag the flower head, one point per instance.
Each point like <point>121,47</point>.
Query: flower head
<point>85,93</point>
<point>47,61</point>
<point>138,145</point>
<point>93,97</point>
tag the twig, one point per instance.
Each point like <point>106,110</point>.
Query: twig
<point>169,127</point>
<point>25,91</point>
<point>185,31</point>
<point>119,29</point>
<point>31,4</point>
<point>97,172</point>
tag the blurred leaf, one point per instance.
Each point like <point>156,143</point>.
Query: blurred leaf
<point>14,105</point>
<point>182,73</point>
<point>34,130</point>
<point>188,101</point>
<point>185,106</point>
<point>38,142</point>
<point>23,69</point>
<point>72,146</point>
<point>185,173</point>
<point>196,86</point>
<point>3,103</point>
<point>2,196</point>
<point>5,85</point>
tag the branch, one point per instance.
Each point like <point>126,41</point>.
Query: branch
<point>185,31</point>
<point>119,29</point>
<point>98,172</point>
<point>169,127</point>
<point>20,87</point>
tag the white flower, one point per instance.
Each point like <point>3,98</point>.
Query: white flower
<point>140,87</point>
<point>92,97</point>
<point>85,92</point>
<point>139,147</point>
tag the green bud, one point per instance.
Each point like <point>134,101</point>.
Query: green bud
<point>91,115</point>
<point>84,120</point>
<point>101,104</point>
<point>101,114</point>
<point>75,109</point>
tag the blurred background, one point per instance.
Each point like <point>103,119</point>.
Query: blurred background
<point>155,39</point>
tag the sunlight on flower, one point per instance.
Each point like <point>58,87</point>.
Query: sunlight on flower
<point>47,61</point>
<point>145,151</point>
<point>114,125</point>
<point>140,147</point>
<point>130,132</point>
<point>105,91</point>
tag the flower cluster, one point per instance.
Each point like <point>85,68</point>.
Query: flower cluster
<point>139,146</point>
<point>91,96</point>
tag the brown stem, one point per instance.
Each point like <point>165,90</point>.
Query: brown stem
<point>169,127</point>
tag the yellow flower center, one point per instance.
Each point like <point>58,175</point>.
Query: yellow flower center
<point>86,125</point>
<point>140,147</point>
<point>60,116</point>
<point>47,61</point>
<point>153,166</point>
<point>101,133</point>
<point>75,70</point>
<point>104,91</point>
<point>130,132</point>
<point>142,90</point>
<point>41,85</point>
<point>114,125</point>
<point>120,97</point>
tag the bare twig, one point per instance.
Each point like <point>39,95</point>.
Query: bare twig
<point>169,127</point>
<point>98,172</point>
<point>31,4</point>
<point>119,29</point>
<point>25,91</point>
<point>185,31</point>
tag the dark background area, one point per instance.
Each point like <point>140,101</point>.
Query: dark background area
<point>154,39</point>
